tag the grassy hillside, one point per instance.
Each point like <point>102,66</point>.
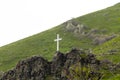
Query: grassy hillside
<point>109,50</point>
<point>40,44</point>
<point>108,19</point>
<point>43,43</point>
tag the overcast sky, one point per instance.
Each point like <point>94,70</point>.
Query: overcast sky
<point>23,18</point>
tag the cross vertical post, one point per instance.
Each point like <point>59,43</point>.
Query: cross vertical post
<point>57,40</point>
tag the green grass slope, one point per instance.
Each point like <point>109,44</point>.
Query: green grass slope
<point>109,50</point>
<point>43,43</point>
<point>40,44</point>
<point>108,19</point>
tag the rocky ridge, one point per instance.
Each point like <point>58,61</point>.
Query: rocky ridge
<point>37,68</point>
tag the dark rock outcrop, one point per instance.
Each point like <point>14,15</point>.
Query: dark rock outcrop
<point>37,68</point>
<point>57,65</point>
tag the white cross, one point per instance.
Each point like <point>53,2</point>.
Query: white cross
<point>57,40</point>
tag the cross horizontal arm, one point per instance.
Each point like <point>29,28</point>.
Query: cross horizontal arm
<point>58,39</point>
